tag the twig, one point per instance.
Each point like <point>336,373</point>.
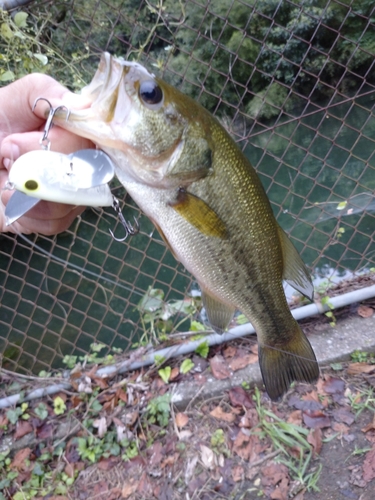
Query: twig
<point>264,459</point>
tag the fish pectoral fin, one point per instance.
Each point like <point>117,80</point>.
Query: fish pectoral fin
<point>219,314</point>
<point>199,214</point>
<point>291,361</point>
<point>295,272</point>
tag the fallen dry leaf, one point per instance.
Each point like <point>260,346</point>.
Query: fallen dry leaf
<point>174,373</point>
<point>170,460</point>
<point>365,311</point>
<point>240,362</point>
<point>220,414</point>
<point>315,439</point>
<point>239,397</point>
<point>357,368</point>
<point>144,486</point>
<point>69,470</point>
<point>238,473</point>
<point>181,420</point>
<point>219,367</point>
<point>356,477</point>
<point>155,452</point>
<point>18,461</point>
<point>316,419</point>
<point>130,487</point>
<point>190,468</point>
<point>100,382</point>
<point>343,415</point>
<point>101,425</point>
<point>229,352</point>
<point>248,447</point>
<point>340,427</point>
<point>250,419</point>
<point>3,420</point>
<point>58,497</point>
<point>369,466</point>
<point>334,385</point>
<point>274,474</point>
<point>281,490</point>
<point>370,426</point>
<point>107,463</point>
<point>207,457</point>
<point>308,403</point>
<point>295,417</point>
<point>23,427</point>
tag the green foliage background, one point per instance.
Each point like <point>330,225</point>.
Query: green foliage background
<point>259,55</point>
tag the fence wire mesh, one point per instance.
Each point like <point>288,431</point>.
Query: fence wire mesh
<point>294,83</point>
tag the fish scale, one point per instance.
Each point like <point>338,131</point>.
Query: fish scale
<point>190,178</point>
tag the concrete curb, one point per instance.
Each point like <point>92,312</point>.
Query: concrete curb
<point>330,346</point>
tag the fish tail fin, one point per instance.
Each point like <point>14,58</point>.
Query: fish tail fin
<point>292,361</point>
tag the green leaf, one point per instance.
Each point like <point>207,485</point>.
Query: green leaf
<point>341,205</point>
<point>159,360</point>
<point>42,58</point>
<point>241,319</point>
<point>152,300</point>
<point>19,496</point>
<point>13,415</point>
<point>7,76</point>
<point>6,32</point>
<point>20,19</point>
<point>96,347</point>
<point>186,366</point>
<point>5,483</point>
<point>59,405</point>
<point>195,326</point>
<point>165,374</point>
<point>336,366</point>
<point>203,349</point>
<point>41,411</point>
<point>96,406</point>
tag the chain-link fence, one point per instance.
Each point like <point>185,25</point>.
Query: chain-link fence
<point>293,81</point>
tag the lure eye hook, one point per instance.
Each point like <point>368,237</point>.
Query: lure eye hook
<point>129,229</point>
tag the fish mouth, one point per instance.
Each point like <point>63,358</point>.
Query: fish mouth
<point>110,94</point>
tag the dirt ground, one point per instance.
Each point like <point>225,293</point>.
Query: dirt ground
<point>239,446</point>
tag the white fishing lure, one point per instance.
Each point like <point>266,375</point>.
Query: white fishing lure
<point>80,178</point>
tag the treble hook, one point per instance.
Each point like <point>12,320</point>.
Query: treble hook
<point>44,141</point>
<point>129,229</point>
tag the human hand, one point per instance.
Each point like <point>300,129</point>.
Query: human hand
<point>20,132</point>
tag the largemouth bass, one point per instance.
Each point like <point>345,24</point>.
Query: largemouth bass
<point>190,178</point>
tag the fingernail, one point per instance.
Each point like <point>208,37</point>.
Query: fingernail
<point>10,153</point>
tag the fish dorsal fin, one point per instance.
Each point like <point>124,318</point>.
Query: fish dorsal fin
<point>199,214</point>
<point>295,272</point>
<point>219,314</point>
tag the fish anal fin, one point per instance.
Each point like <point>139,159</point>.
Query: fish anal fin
<point>199,214</point>
<point>295,272</point>
<point>219,314</point>
<point>292,361</point>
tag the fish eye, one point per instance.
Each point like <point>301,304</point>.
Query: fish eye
<point>150,93</point>
<point>31,185</point>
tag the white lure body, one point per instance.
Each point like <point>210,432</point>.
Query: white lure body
<point>80,178</point>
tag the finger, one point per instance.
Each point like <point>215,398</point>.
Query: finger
<point>17,115</point>
<point>37,221</point>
